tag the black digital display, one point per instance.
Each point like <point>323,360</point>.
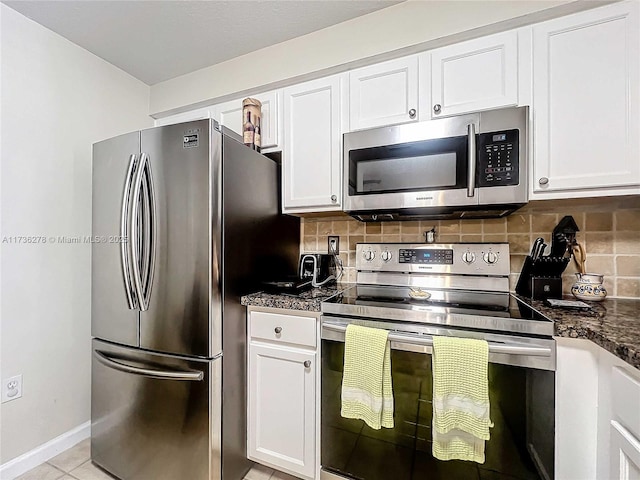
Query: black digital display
<point>500,137</point>
<point>430,256</point>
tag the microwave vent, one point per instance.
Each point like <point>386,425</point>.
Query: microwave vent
<point>435,213</point>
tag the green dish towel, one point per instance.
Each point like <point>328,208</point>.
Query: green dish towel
<point>460,398</point>
<point>367,393</point>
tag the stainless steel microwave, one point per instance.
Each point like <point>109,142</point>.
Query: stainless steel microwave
<point>467,166</point>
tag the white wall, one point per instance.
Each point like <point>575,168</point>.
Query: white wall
<point>418,24</point>
<point>57,99</point>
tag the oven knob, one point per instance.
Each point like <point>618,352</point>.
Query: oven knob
<point>386,256</point>
<point>468,257</point>
<point>369,255</point>
<point>490,258</point>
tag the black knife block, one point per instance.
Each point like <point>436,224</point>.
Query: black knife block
<point>541,278</point>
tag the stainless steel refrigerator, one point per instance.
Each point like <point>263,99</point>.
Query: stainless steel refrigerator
<point>185,220</point>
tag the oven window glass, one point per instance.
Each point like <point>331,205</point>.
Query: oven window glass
<point>522,409</point>
<point>439,164</point>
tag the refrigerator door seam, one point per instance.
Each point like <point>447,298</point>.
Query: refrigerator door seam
<point>152,230</point>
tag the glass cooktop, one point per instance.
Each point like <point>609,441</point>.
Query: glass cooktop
<point>493,311</point>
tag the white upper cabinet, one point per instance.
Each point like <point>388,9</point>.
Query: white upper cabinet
<point>586,103</point>
<point>311,155</point>
<point>384,94</point>
<point>479,74</point>
<point>229,114</point>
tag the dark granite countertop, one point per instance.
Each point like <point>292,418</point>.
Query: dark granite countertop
<point>613,324</point>
<point>307,301</point>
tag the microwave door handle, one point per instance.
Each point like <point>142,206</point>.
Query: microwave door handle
<point>471,145</point>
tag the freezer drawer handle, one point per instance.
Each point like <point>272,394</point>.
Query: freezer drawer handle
<point>107,361</point>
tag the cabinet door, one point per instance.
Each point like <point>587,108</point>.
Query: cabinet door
<point>312,146</point>
<point>229,114</point>
<point>384,94</point>
<point>625,454</point>
<point>282,403</point>
<point>476,75</point>
<point>586,100</point>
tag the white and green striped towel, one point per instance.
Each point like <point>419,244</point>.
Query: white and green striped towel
<point>367,392</point>
<point>461,418</point>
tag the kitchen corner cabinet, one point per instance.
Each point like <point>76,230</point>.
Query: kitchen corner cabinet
<point>283,378</point>
<point>586,103</point>
<point>384,94</point>
<point>624,448</point>
<point>475,75</point>
<point>314,117</point>
<point>229,114</point>
<point>597,413</point>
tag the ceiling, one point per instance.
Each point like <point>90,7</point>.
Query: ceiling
<point>158,40</point>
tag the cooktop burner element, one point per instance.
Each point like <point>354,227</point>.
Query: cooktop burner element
<point>460,285</point>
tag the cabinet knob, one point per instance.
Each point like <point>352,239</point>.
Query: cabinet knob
<point>307,363</point>
<point>412,113</point>
<point>543,181</point>
<point>334,198</point>
<point>278,330</point>
<point>437,108</point>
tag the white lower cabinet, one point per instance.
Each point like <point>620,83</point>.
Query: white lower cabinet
<point>597,414</point>
<point>283,374</point>
<point>624,454</point>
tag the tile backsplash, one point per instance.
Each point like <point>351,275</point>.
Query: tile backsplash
<point>609,232</point>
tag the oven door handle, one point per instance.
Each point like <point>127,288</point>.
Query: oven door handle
<point>424,343</point>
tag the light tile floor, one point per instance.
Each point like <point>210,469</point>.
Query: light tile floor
<point>75,464</point>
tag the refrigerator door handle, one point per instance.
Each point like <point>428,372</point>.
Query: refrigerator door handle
<point>150,225</point>
<point>110,362</point>
<point>125,258</point>
<point>134,229</point>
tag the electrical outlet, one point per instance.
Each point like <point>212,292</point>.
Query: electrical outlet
<point>333,245</point>
<point>11,388</point>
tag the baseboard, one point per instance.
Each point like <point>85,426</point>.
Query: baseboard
<point>25,462</point>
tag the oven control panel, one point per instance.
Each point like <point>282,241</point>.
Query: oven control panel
<point>452,258</point>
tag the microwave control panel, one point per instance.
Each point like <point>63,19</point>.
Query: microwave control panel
<point>497,163</point>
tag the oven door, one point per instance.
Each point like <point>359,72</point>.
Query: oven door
<point>521,392</point>
<point>427,164</point>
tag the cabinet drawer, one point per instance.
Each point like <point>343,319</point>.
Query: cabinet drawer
<point>283,328</point>
<point>625,391</point>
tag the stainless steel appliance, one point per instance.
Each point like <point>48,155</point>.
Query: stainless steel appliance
<point>468,166</point>
<point>417,291</point>
<point>177,240</point>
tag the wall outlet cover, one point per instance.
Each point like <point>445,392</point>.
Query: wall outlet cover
<point>333,244</point>
<point>11,388</point>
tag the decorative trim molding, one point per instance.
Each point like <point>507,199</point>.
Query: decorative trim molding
<point>25,462</point>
